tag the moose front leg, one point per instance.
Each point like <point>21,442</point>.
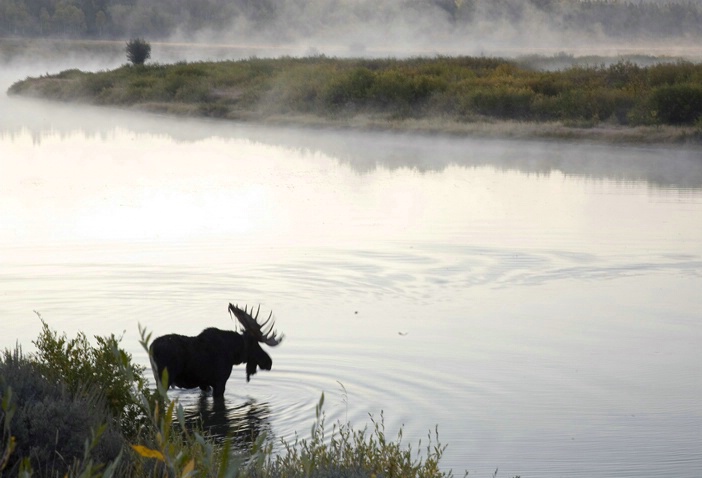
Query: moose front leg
<point>218,389</point>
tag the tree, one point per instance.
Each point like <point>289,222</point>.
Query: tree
<point>101,22</point>
<point>138,51</point>
<point>69,20</point>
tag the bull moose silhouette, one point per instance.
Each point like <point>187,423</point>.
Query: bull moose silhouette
<point>206,360</point>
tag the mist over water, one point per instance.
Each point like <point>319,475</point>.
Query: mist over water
<point>538,301</point>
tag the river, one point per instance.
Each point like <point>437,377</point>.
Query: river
<point>537,301</point>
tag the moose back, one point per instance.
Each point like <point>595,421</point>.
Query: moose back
<point>206,360</point>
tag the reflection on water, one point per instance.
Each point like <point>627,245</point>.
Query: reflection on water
<point>661,167</point>
<point>538,301</point>
<point>241,422</point>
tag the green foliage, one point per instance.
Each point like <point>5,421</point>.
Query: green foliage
<point>97,83</point>
<point>623,74</point>
<point>106,367</point>
<point>138,51</point>
<point>667,74</point>
<point>353,453</point>
<point>504,102</point>
<point>448,88</point>
<point>677,104</point>
<point>69,74</point>
<point>50,429</point>
<point>7,441</point>
<point>353,85</point>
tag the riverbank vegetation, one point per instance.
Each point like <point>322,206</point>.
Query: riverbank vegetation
<point>76,409</point>
<point>438,93</point>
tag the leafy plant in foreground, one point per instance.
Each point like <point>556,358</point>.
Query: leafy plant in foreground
<point>48,429</point>
<point>353,453</point>
<point>81,366</point>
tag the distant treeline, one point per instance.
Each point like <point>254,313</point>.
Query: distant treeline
<point>287,20</point>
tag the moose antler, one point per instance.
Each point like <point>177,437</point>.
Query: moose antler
<point>251,325</point>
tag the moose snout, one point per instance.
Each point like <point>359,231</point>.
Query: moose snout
<point>266,363</point>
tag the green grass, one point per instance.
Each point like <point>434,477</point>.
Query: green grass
<point>80,410</point>
<point>441,89</point>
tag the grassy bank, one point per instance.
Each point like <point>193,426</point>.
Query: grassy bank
<point>75,409</point>
<point>659,102</point>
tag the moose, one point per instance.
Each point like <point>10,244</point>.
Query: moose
<point>206,360</point>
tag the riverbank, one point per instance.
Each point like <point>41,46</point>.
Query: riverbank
<point>478,96</point>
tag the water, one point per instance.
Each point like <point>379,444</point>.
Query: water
<point>538,301</point>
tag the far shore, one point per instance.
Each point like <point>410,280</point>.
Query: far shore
<point>461,96</point>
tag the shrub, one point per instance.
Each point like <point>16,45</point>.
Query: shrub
<point>353,453</point>
<point>505,102</point>
<point>671,73</point>
<point>81,367</point>
<point>622,74</point>
<point>398,88</point>
<point>69,74</point>
<point>576,104</point>
<point>97,83</point>
<point>145,89</point>
<point>350,87</point>
<point>138,51</point>
<point>678,104</point>
<point>48,423</point>
<point>188,90</point>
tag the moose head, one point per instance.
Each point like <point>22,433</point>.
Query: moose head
<point>206,360</point>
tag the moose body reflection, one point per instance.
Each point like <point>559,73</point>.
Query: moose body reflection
<point>241,423</point>
<point>206,360</point>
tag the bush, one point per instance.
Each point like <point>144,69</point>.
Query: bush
<point>351,87</point>
<point>106,367</point>
<point>505,102</point>
<point>138,51</point>
<point>398,88</point>
<point>678,104</point>
<point>97,83</point>
<point>622,74</point>
<point>353,454</point>
<point>48,423</point>
<point>666,74</point>
<point>69,74</point>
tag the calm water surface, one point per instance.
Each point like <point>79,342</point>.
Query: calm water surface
<point>539,302</point>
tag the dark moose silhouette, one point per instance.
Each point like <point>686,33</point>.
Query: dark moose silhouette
<point>206,360</point>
